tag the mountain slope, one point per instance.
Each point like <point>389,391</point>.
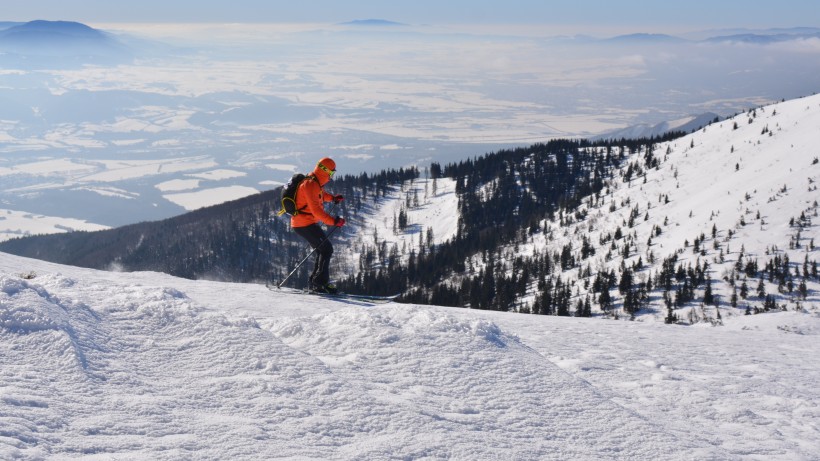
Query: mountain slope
<point>748,185</point>
<point>740,195</point>
<point>144,365</point>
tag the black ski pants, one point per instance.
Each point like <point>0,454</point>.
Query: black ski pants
<point>317,239</point>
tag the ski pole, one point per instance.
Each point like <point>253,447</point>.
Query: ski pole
<point>279,285</point>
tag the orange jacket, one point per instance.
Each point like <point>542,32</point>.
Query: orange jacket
<point>311,196</point>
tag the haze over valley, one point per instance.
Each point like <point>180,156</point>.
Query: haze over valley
<point>128,122</point>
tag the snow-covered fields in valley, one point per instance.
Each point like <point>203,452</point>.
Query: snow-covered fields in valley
<point>19,224</point>
<point>101,365</point>
<point>207,197</point>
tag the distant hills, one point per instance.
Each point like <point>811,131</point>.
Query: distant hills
<point>6,24</point>
<point>760,37</point>
<point>43,43</point>
<point>761,32</point>
<point>373,23</point>
<point>646,38</point>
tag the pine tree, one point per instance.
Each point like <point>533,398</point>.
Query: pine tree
<point>761,289</point>
<point>744,290</point>
<point>605,300</point>
<point>802,289</point>
<point>670,313</point>
<point>587,308</point>
<point>708,298</point>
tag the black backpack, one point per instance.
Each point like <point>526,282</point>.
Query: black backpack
<point>289,195</point>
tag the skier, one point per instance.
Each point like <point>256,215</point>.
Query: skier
<point>310,198</point>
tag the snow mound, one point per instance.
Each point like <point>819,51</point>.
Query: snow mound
<point>472,391</point>
<point>794,322</point>
<point>104,370</point>
<point>32,310</point>
<point>353,329</point>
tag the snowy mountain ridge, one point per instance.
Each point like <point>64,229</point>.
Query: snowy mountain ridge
<point>740,191</point>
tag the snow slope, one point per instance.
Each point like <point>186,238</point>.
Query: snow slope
<point>433,208</point>
<point>749,179</point>
<point>101,365</point>
<point>747,183</point>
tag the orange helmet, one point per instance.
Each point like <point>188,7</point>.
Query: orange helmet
<point>325,170</point>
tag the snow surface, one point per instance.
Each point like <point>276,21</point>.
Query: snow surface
<point>435,210</point>
<point>102,365</point>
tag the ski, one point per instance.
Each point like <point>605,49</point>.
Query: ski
<point>374,299</point>
<point>364,298</point>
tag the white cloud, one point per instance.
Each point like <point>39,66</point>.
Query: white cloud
<point>801,46</point>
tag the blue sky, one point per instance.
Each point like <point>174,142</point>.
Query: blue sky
<point>648,14</point>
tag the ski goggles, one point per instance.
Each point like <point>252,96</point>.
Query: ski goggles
<point>327,170</point>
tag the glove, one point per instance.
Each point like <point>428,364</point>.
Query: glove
<point>339,221</point>
<point>338,198</point>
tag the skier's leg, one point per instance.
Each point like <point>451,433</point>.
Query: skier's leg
<point>322,275</point>
<point>316,238</point>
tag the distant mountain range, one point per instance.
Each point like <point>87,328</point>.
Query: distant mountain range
<point>59,42</point>
<point>742,31</point>
<point>373,23</point>
<point>645,38</point>
<point>760,37</point>
<point>6,24</point>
